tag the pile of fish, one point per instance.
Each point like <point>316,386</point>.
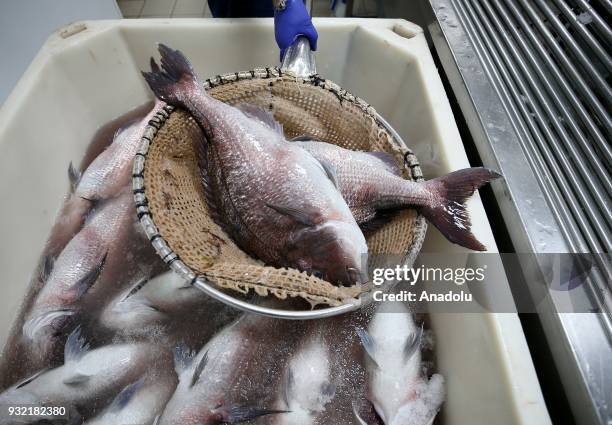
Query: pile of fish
<point>110,335</point>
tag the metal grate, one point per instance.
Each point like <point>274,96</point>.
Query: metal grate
<point>554,61</point>
<point>549,61</point>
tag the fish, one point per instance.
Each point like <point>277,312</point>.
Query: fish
<point>231,379</point>
<point>307,387</point>
<point>104,177</point>
<point>111,251</point>
<point>325,380</point>
<point>166,306</point>
<point>399,392</point>
<point>373,187</point>
<point>275,200</point>
<point>89,378</point>
<point>140,402</point>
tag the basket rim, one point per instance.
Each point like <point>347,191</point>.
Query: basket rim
<point>411,164</point>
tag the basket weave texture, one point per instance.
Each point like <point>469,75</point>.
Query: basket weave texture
<point>177,205</point>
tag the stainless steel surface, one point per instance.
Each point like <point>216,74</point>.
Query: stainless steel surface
<point>535,110</point>
<point>299,59</point>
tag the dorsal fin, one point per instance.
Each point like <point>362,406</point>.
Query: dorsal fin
<point>413,343</point>
<point>368,344</point>
<point>126,394</point>
<point>47,268</point>
<point>289,385</point>
<point>260,114</point>
<point>137,287</point>
<point>76,346</point>
<point>29,379</point>
<point>183,357</point>
<point>87,281</point>
<point>199,368</point>
<point>74,176</point>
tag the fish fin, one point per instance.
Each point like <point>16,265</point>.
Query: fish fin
<point>209,194</point>
<point>175,79</point>
<point>388,160</point>
<point>137,287</point>
<point>360,420</point>
<point>74,176</point>
<point>377,220</point>
<point>237,414</point>
<point>154,66</point>
<point>305,138</point>
<point>289,386</point>
<point>449,215</point>
<point>199,368</point>
<point>368,344</point>
<point>329,390</point>
<point>413,342</point>
<point>54,318</point>
<point>260,114</point>
<point>156,420</point>
<point>183,357</point>
<point>330,170</point>
<point>87,281</point>
<point>76,379</point>
<point>126,394</point>
<point>373,418</point>
<point>300,215</point>
<point>29,379</point>
<point>47,268</point>
<point>76,346</point>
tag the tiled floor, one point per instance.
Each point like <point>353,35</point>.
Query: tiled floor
<point>199,8</point>
<point>164,8</point>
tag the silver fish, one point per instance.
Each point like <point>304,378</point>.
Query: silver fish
<point>277,202</point>
<point>108,253</point>
<point>89,379</point>
<point>166,306</point>
<point>398,390</point>
<point>231,378</point>
<point>372,186</point>
<point>307,387</point>
<point>103,178</point>
<point>139,402</point>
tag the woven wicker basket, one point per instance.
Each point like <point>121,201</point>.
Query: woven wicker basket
<point>172,207</point>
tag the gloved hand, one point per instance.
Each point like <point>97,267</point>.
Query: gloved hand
<point>290,23</point>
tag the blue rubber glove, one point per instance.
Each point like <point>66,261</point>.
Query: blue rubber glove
<point>292,22</point>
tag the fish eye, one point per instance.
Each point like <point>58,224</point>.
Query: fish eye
<point>317,274</point>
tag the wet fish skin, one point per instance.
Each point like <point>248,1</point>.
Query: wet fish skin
<point>103,178</point>
<point>109,253</point>
<point>89,379</point>
<point>307,387</point>
<point>277,201</point>
<point>229,380</point>
<point>139,402</point>
<point>372,185</point>
<point>166,306</point>
<point>399,392</point>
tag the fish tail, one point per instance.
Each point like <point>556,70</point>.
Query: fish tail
<point>448,213</point>
<point>174,80</point>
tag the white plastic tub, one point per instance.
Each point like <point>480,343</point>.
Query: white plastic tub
<point>88,73</point>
